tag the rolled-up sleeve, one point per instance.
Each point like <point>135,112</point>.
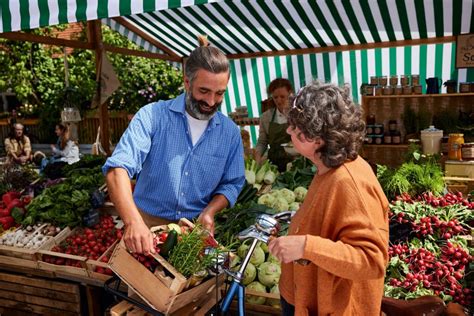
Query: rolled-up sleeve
<point>134,145</point>
<point>234,177</point>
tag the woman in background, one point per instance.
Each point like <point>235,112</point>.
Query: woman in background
<point>65,151</point>
<point>273,124</point>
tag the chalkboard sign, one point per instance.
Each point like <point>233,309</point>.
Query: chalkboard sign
<point>465,51</point>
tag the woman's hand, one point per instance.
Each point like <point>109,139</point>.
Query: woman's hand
<point>53,148</point>
<point>288,248</point>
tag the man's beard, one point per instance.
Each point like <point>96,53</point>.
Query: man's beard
<point>197,108</point>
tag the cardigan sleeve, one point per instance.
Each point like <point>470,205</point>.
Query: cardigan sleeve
<point>357,249</point>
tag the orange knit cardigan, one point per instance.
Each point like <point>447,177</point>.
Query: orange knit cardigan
<point>344,218</point>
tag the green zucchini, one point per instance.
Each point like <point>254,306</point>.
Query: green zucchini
<point>169,243</point>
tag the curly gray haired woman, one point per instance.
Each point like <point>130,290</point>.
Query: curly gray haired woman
<point>326,111</point>
<point>341,229</point>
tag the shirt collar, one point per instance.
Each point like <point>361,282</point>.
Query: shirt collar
<point>178,105</point>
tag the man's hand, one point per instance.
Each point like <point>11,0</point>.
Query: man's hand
<point>138,238</point>
<point>288,248</point>
<point>206,218</point>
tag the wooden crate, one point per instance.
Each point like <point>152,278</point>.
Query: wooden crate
<point>164,293</point>
<point>30,254</point>
<point>198,308</point>
<point>62,269</point>
<point>93,264</point>
<point>21,295</point>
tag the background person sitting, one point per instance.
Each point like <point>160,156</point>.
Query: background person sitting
<point>65,151</point>
<point>18,145</point>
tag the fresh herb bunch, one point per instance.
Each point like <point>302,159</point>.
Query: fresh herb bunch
<point>188,255</point>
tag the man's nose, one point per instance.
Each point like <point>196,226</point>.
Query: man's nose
<point>211,99</point>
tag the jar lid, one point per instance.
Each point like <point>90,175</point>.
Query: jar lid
<point>431,129</point>
<point>456,135</point>
<point>468,145</point>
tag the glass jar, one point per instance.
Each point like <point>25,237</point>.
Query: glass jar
<point>378,129</point>
<point>415,80</point>
<point>387,90</point>
<point>405,80</point>
<point>394,80</point>
<point>398,90</point>
<point>369,129</point>
<point>418,89</point>
<point>392,125</point>
<point>378,90</point>
<point>383,81</point>
<point>378,139</point>
<point>455,143</point>
<point>396,138</point>
<point>370,119</point>
<point>407,89</point>
<point>467,151</point>
<point>464,87</point>
<point>374,80</point>
<point>387,138</point>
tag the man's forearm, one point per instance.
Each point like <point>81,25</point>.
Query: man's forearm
<point>218,203</point>
<point>120,191</point>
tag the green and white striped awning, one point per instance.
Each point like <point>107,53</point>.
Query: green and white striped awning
<point>247,31</point>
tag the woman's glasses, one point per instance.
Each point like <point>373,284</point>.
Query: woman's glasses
<point>294,99</point>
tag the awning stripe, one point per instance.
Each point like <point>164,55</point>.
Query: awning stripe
<point>404,22</point>
<point>385,14</point>
<point>301,13</point>
<point>438,14</point>
<point>353,21</point>
<point>331,22</point>
<point>321,24</point>
<point>369,18</point>
<point>169,25</point>
<point>340,24</point>
<point>293,25</point>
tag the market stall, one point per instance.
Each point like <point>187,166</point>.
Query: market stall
<point>362,43</point>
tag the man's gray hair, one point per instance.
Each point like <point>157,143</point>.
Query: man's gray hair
<point>206,57</point>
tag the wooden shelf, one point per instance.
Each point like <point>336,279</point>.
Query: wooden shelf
<point>440,95</point>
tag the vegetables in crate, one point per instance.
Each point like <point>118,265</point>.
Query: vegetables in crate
<point>30,237</point>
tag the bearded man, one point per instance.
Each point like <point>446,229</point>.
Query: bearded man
<point>187,156</point>
<point>18,145</point>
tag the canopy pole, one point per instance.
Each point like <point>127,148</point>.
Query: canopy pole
<point>95,38</point>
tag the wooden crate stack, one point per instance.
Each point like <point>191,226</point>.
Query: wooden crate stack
<point>21,295</point>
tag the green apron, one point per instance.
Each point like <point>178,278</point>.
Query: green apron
<point>276,136</point>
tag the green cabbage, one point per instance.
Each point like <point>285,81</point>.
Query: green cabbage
<point>280,204</point>
<point>272,258</point>
<point>264,247</point>
<point>269,273</point>
<point>288,195</point>
<point>300,193</point>
<point>294,206</point>
<point>257,287</point>
<point>266,199</point>
<point>257,257</point>
<point>250,273</point>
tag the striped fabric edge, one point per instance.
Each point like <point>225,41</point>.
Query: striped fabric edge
<point>139,41</point>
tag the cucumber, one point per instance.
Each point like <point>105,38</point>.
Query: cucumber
<point>169,243</point>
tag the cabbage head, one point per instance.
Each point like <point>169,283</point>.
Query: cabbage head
<point>257,257</point>
<point>257,287</point>
<point>280,204</point>
<point>272,258</point>
<point>288,195</point>
<point>264,247</point>
<point>272,301</point>
<point>250,273</point>
<point>266,199</point>
<point>300,193</point>
<point>294,206</point>
<point>269,273</point>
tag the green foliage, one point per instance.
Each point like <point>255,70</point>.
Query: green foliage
<point>413,177</point>
<point>36,75</point>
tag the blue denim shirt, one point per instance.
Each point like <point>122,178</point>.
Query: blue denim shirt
<point>174,178</point>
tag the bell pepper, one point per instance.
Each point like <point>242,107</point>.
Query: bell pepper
<point>8,197</point>
<point>7,222</point>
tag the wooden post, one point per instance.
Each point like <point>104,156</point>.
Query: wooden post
<point>95,38</point>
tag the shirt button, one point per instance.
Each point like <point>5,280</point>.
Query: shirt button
<point>178,212</point>
<point>182,193</point>
<point>186,173</point>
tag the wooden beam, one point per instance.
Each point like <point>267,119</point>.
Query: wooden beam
<point>145,54</point>
<point>28,37</point>
<point>330,49</point>
<point>146,37</point>
<point>94,35</point>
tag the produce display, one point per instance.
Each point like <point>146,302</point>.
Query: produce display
<point>12,209</point>
<point>30,237</point>
<point>87,242</point>
<point>428,253</point>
